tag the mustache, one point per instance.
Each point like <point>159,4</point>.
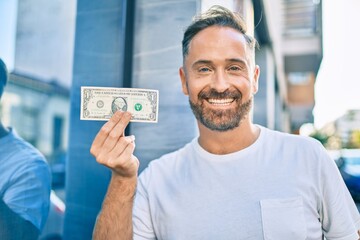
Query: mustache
<point>212,93</point>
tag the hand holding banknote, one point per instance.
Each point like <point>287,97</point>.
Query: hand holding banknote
<point>120,106</point>
<point>113,149</point>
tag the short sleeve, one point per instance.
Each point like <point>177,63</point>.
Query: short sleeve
<point>339,215</point>
<point>142,223</point>
<point>28,193</point>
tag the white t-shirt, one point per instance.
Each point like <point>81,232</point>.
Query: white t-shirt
<point>281,187</point>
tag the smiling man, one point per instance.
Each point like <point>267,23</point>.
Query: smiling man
<point>236,180</point>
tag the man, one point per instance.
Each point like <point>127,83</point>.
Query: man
<point>237,180</point>
<point>24,183</point>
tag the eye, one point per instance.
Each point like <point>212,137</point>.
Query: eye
<point>234,68</point>
<point>204,69</point>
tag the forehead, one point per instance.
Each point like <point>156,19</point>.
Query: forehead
<point>218,42</point>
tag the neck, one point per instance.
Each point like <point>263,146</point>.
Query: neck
<point>229,141</point>
<point>3,131</point>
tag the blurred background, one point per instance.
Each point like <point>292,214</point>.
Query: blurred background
<point>308,83</point>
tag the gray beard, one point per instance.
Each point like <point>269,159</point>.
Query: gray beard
<point>221,120</point>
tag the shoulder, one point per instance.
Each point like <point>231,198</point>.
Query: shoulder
<point>175,156</point>
<point>168,163</point>
<point>294,147</point>
<point>287,139</point>
<point>23,162</point>
<point>20,150</point>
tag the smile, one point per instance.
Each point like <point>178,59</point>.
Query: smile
<point>216,101</point>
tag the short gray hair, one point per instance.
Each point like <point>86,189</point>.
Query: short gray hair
<point>216,16</point>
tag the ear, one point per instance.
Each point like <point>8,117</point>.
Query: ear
<point>256,79</point>
<point>183,80</point>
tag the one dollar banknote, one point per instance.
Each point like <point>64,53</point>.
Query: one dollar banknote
<point>100,103</point>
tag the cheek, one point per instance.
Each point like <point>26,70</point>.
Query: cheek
<point>193,93</point>
<point>244,86</point>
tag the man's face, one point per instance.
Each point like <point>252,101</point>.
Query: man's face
<point>219,77</point>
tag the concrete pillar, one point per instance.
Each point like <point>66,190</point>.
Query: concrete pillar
<point>98,61</point>
<point>159,28</point>
<point>264,104</point>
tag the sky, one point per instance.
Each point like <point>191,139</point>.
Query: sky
<point>7,31</point>
<point>337,87</point>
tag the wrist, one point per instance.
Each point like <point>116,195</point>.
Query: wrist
<point>122,186</point>
<point>119,178</point>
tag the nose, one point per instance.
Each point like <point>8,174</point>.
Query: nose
<point>220,82</point>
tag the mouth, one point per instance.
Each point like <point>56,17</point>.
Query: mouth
<point>220,102</point>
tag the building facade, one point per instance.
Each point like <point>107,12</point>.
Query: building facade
<point>38,111</point>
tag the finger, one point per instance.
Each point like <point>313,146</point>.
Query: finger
<point>126,156</point>
<point>132,163</point>
<point>104,132</point>
<point>112,158</point>
<point>121,145</point>
<point>116,132</point>
<point>122,124</point>
<point>126,162</point>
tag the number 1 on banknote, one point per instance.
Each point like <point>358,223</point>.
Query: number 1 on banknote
<point>100,103</point>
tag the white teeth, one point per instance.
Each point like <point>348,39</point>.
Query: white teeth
<point>220,101</point>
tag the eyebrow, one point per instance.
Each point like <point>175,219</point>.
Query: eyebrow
<point>203,61</point>
<point>238,60</point>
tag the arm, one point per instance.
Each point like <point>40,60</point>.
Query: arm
<point>115,151</point>
<point>12,226</point>
<point>338,213</point>
<point>115,218</point>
